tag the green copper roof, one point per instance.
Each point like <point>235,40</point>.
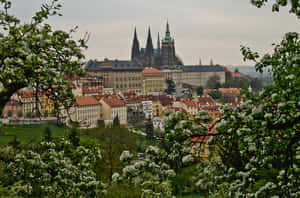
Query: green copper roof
<point>168,37</point>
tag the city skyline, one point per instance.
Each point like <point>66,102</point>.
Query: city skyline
<point>207,29</point>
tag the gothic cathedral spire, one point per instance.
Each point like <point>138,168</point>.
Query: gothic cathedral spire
<point>135,51</point>
<point>149,45</point>
<point>158,45</point>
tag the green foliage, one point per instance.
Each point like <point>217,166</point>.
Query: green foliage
<point>213,82</point>
<point>215,94</point>
<point>263,134</point>
<point>28,133</point>
<point>74,137</point>
<point>32,54</point>
<point>28,115</point>
<point>147,172</point>
<point>256,84</point>
<point>47,134</point>
<point>117,190</point>
<point>171,87</point>
<point>184,181</point>
<point>20,114</point>
<point>9,114</point>
<point>200,91</point>
<point>116,121</point>
<point>295,5</point>
<point>55,169</point>
<point>237,82</point>
<point>149,129</point>
<point>113,141</point>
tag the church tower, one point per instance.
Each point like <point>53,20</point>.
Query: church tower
<point>149,52</point>
<point>168,49</point>
<point>135,50</point>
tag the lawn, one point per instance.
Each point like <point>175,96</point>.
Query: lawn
<point>27,133</point>
<point>190,196</point>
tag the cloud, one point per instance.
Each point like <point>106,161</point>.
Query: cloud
<point>207,28</point>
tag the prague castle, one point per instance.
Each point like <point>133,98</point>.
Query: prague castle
<point>163,56</point>
<point>127,75</point>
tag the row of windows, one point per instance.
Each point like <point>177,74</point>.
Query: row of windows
<point>129,78</point>
<point>129,86</point>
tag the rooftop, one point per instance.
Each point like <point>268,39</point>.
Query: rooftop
<point>86,100</point>
<point>151,70</point>
<point>114,102</point>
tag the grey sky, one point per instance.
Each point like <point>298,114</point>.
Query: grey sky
<point>201,28</point>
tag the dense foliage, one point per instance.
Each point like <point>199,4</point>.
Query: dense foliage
<point>32,54</point>
<point>56,169</point>
<point>261,139</point>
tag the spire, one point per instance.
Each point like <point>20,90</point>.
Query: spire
<point>168,37</point>
<point>168,29</point>
<point>200,62</point>
<point>135,51</point>
<point>158,41</point>
<point>149,45</point>
<point>211,62</point>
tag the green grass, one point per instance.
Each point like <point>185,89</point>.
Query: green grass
<point>27,133</point>
<point>190,196</point>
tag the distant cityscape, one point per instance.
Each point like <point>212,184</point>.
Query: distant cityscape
<point>152,83</point>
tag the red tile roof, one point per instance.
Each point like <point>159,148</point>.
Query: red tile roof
<point>114,102</point>
<point>230,91</point>
<point>179,109</point>
<point>202,139</point>
<point>86,100</point>
<point>207,91</point>
<point>225,69</point>
<point>151,70</point>
<point>129,94</point>
<point>29,94</point>
<point>206,100</point>
<point>190,103</point>
<point>210,108</point>
<point>90,90</point>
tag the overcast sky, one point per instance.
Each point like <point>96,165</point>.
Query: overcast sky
<point>201,28</point>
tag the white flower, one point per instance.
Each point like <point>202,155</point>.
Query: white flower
<point>115,177</point>
<point>187,159</point>
<point>125,156</point>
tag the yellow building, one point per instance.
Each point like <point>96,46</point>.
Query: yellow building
<point>153,80</point>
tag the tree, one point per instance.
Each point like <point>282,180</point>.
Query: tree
<point>200,91</point>
<point>116,121</point>
<point>47,134</point>
<point>256,84</point>
<point>56,170</point>
<point>74,137</point>
<point>213,82</point>
<point>113,141</point>
<point>215,94</point>
<point>237,82</point>
<point>9,114</point>
<point>32,54</point>
<point>28,115</point>
<point>260,141</point>
<point>149,173</point>
<point>149,129</point>
<point>295,5</point>
<point>171,87</point>
<point>20,114</point>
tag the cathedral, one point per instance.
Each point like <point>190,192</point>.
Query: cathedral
<point>163,56</point>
